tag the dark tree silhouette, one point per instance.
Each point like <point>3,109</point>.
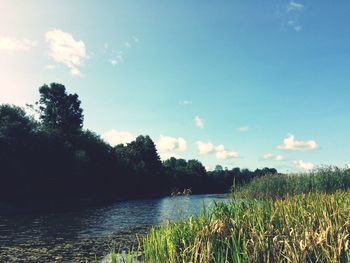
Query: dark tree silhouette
<point>60,112</point>
<point>54,159</point>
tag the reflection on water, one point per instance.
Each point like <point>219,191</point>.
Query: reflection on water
<point>111,220</point>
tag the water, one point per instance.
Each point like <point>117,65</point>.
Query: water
<point>72,236</point>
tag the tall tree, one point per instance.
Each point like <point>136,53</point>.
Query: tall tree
<point>59,111</point>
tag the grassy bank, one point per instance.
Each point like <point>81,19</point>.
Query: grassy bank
<point>304,228</point>
<point>325,180</point>
<point>297,218</point>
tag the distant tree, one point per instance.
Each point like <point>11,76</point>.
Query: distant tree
<point>218,168</point>
<point>14,122</point>
<point>142,155</point>
<point>196,167</point>
<point>59,111</point>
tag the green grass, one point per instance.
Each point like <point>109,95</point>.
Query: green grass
<point>310,227</point>
<point>280,218</point>
<point>325,180</point>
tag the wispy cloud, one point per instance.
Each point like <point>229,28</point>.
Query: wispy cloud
<point>306,166</point>
<point>127,44</point>
<point>293,11</point>
<point>117,58</point>
<point>136,40</point>
<point>294,6</point>
<point>270,156</point>
<point>185,102</point>
<point>115,137</point>
<point>10,44</point>
<point>243,129</point>
<point>199,122</point>
<point>63,48</point>
<point>291,144</point>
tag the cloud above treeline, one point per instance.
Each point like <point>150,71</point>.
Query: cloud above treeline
<point>305,166</point>
<point>10,44</point>
<point>270,156</point>
<point>115,137</point>
<point>168,146</point>
<point>65,49</point>
<point>220,152</point>
<point>291,144</point>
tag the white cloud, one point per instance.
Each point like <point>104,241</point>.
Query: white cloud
<point>205,148</point>
<point>49,67</point>
<point>306,166</point>
<point>226,155</point>
<point>117,58</point>
<point>294,6</point>
<point>293,13</point>
<point>127,44</point>
<point>115,137</point>
<point>136,40</point>
<point>291,144</point>
<point>167,155</point>
<point>10,44</point>
<point>167,143</point>
<point>220,148</point>
<point>199,122</point>
<point>243,129</point>
<point>66,50</point>
<point>279,157</point>
<point>222,154</point>
<point>185,102</point>
<point>270,156</point>
<point>170,147</point>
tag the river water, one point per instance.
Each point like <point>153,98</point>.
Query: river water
<point>92,232</point>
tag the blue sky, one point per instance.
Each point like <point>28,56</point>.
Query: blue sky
<point>237,83</point>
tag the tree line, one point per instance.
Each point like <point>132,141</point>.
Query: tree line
<point>52,157</point>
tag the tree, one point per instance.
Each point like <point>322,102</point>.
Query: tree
<point>60,112</point>
<point>14,122</point>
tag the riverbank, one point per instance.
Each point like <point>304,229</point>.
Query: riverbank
<point>313,227</point>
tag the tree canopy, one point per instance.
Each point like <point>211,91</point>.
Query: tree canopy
<point>55,158</point>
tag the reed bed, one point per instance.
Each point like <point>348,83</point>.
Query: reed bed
<point>311,227</point>
<point>324,180</point>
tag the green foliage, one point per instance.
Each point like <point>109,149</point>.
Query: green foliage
<point>60,112</point>
<point>54,158</point>
<point>327,180</point>
<point>14,122</point>
<point>305,228</point>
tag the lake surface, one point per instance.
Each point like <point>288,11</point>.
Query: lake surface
<point>72,236</point>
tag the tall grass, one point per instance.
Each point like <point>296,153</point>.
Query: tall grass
<point>325,180</point>
<point>310,227</point>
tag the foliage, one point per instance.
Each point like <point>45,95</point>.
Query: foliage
<point>326,179</point>
<point>312,227</point>
<point>60,111</point>
<point>55,158</point>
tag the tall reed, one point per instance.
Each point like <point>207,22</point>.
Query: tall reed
<point>325,180</point>
<point>311,227</point>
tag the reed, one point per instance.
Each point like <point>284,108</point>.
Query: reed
<point>311,227</point>
<point>325,180</point>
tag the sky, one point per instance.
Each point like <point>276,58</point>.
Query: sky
<point>243,84</point>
